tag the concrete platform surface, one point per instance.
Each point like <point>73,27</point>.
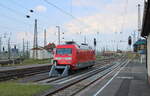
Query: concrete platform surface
<point>131,80</point>
<point>22,67</point>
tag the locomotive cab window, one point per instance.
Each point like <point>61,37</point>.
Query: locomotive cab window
<point>64,51</point>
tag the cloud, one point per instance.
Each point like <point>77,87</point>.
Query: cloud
<point>105,23</point>
<point>27,36</point>
<point>87,3</point>
<point>82,3</point>
<point>40,8</point>
<point>110,19</point>
<point>115,16</point>
<point>51,34</point>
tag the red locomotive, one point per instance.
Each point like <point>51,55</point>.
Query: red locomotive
<point>71,56</point>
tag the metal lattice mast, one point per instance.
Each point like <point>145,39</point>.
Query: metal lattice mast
<point>45,42</point>
<point>35,43</point>
<point>0,44</point>
<point>23,49</point>
<point>58,27</point>
<point>85,39</point>
<point>139,20</point>
<point>9,56</point>
<point>27,52</point>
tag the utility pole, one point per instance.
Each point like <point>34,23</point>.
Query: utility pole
<point>139,20</point>
<point>0,44</point>
<point>23,49</point>
<point>130,42</point>
<point>85,39</point>
<point>9,48</point>
<point>45,42</point>
<point>27,49</point>
<point>95,45</point>
<point>58,27</point>
<point>35,43</point>
<point>134,37</point>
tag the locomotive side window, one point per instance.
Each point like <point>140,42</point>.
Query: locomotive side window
<point>64,51</point>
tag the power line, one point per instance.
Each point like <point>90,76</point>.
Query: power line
<point>65,12</point>
<point>11,10</point>
<point>125,12</point>
<point>15,20</point>
<point>25,8</point>
<point>20,5</point>
<point>17,13</point>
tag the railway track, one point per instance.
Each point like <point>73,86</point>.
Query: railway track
<point>44,77</point>
<point>66,87</point>
<point>47,79</point>
<point>35,74</point>
<point>23,72</point>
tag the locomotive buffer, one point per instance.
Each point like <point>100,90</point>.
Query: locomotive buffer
<point>59,70</point>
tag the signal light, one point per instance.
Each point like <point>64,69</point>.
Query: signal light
<point>129,40</point>
<point>27,16</point>
<point>94,41</point>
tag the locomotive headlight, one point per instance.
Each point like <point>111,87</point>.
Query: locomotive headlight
<point>68,58</point>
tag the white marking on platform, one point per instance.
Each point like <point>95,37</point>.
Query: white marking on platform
<point>125,77</point>
<point>109,81</point>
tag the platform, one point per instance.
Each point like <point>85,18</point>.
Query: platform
<point>23,67</point>
<point>131,80</point>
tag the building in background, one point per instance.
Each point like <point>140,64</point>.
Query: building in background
<point>45,52</point>
<point>140,46</point>
<point>42,53</point>
<point>12,54</point>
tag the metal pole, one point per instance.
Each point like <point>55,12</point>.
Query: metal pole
<point>85,39</point>
<point>45,42</point>
<point>58,27</point>
<point>139,20</point>
<point>0,44</point>
<point>27,49</point>
<point>35,43</point>
<point>134,37</point>
<point>23,48</point>
<point>9,48</point>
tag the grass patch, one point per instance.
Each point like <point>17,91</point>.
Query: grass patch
<point>32,61</point>
<point>131,55</point>
<point>99,57</point>
<point>16,89</point>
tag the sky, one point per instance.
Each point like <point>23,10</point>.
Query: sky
<point>109,21</point>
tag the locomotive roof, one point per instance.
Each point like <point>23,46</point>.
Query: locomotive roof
<point>82,46</point>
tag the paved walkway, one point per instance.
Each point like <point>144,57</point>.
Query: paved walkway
<point>131,80</point>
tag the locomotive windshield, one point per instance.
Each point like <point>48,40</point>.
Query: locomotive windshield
<point>63,51</point>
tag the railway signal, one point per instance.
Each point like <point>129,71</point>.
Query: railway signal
<point>58,27</point>
<point>129,40</point>
<point>94,42</point>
